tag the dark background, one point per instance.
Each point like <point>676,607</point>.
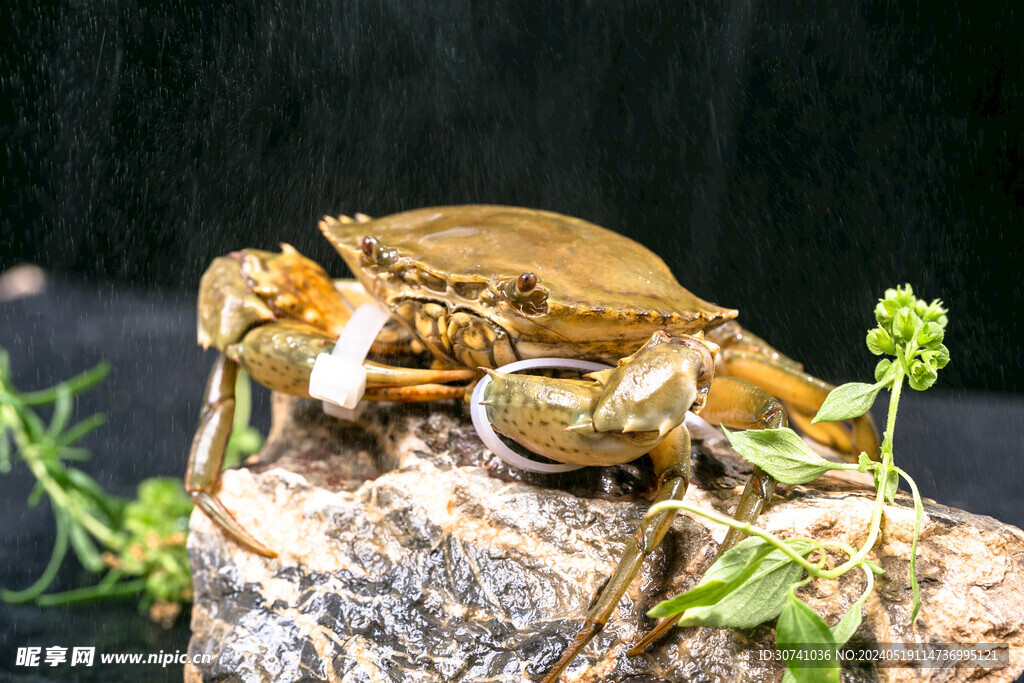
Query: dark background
<point>788,159</point>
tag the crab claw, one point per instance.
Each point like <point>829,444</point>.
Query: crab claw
<point>652,391</point>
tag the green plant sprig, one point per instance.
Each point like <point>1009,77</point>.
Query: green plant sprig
<point>142,540</point>
<point>81,510</point>
<point>759,577</point>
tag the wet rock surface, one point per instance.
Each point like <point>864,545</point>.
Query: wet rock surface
<point>410,553</point>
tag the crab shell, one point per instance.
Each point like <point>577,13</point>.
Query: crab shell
<point>592,294</point>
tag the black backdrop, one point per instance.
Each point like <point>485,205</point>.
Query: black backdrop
<point>788,159</point>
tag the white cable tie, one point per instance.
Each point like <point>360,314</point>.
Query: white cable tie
<point>341,413</point>
<point>482,422</point>
<point>339,378</point>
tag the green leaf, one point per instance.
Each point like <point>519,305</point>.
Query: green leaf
<point>903,296</point>
<point>244,440</point>
<point>161,504</point>
<point>111,505</point>
<point>81,429</point>
<point>35,495</point>
<point>850,622</point>
<point>61,411</point>
<point>891,484</point>
<point>805,640</point>
<point>847,626</point>
<point>760,595</point>
<point>874,567</point>
<point>243,401</point>
<point>85,549</point>
<point>844,629</point>
<point>704,593</point>
<point>75,453</point>
<point>60,547</point>
<point>34,426</point>
<point>101,591</point>
<point>864,463</point>
<point>727,573</point>
<point>882,371</point>
<point>848,401</point>
<point>76,385</point>
<point>780,453</point>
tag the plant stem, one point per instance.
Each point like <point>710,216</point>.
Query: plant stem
<point>918,515</point>
<point>119,590</point>
<point>34,458</point>
<point>739,526</point>
<point>78,512</point>
<point>890,420</point>
<point>887,470</point>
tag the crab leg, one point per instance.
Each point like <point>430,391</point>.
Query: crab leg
<point>749,357</point>
<point>803,395</point>
<point>416,394</point>
<point>207,455</point>
<point>672,463</point>
<point>280,355</point>
<point>205,460</point>
<point>738,404</point>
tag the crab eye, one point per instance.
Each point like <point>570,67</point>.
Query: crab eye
<point>526,282</point>
<point>524,293</point>
<point>377,254</point>
<point>386,257</point>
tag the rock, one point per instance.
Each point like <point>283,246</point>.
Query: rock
<point>409,553</point>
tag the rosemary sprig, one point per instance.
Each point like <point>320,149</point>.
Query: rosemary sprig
<point>138,545</point>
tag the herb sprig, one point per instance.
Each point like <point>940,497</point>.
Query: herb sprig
<point>757,580</point>
<point>138,545</point>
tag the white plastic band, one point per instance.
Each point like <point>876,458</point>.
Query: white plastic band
<point>483,424</point>
<point>339,378</point>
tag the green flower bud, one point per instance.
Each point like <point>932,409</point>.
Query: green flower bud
<point>904,325</point>
<point>937,357</point>
<point>935,313</point>
<point>884,312</point>
<point>922,375</point>
<point>929,335</point>
<point>902,296</point>
<point>906,295</point>
<point>879,341</point>
<point>882,369</point>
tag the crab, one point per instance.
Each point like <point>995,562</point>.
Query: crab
<point>477,287</point>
